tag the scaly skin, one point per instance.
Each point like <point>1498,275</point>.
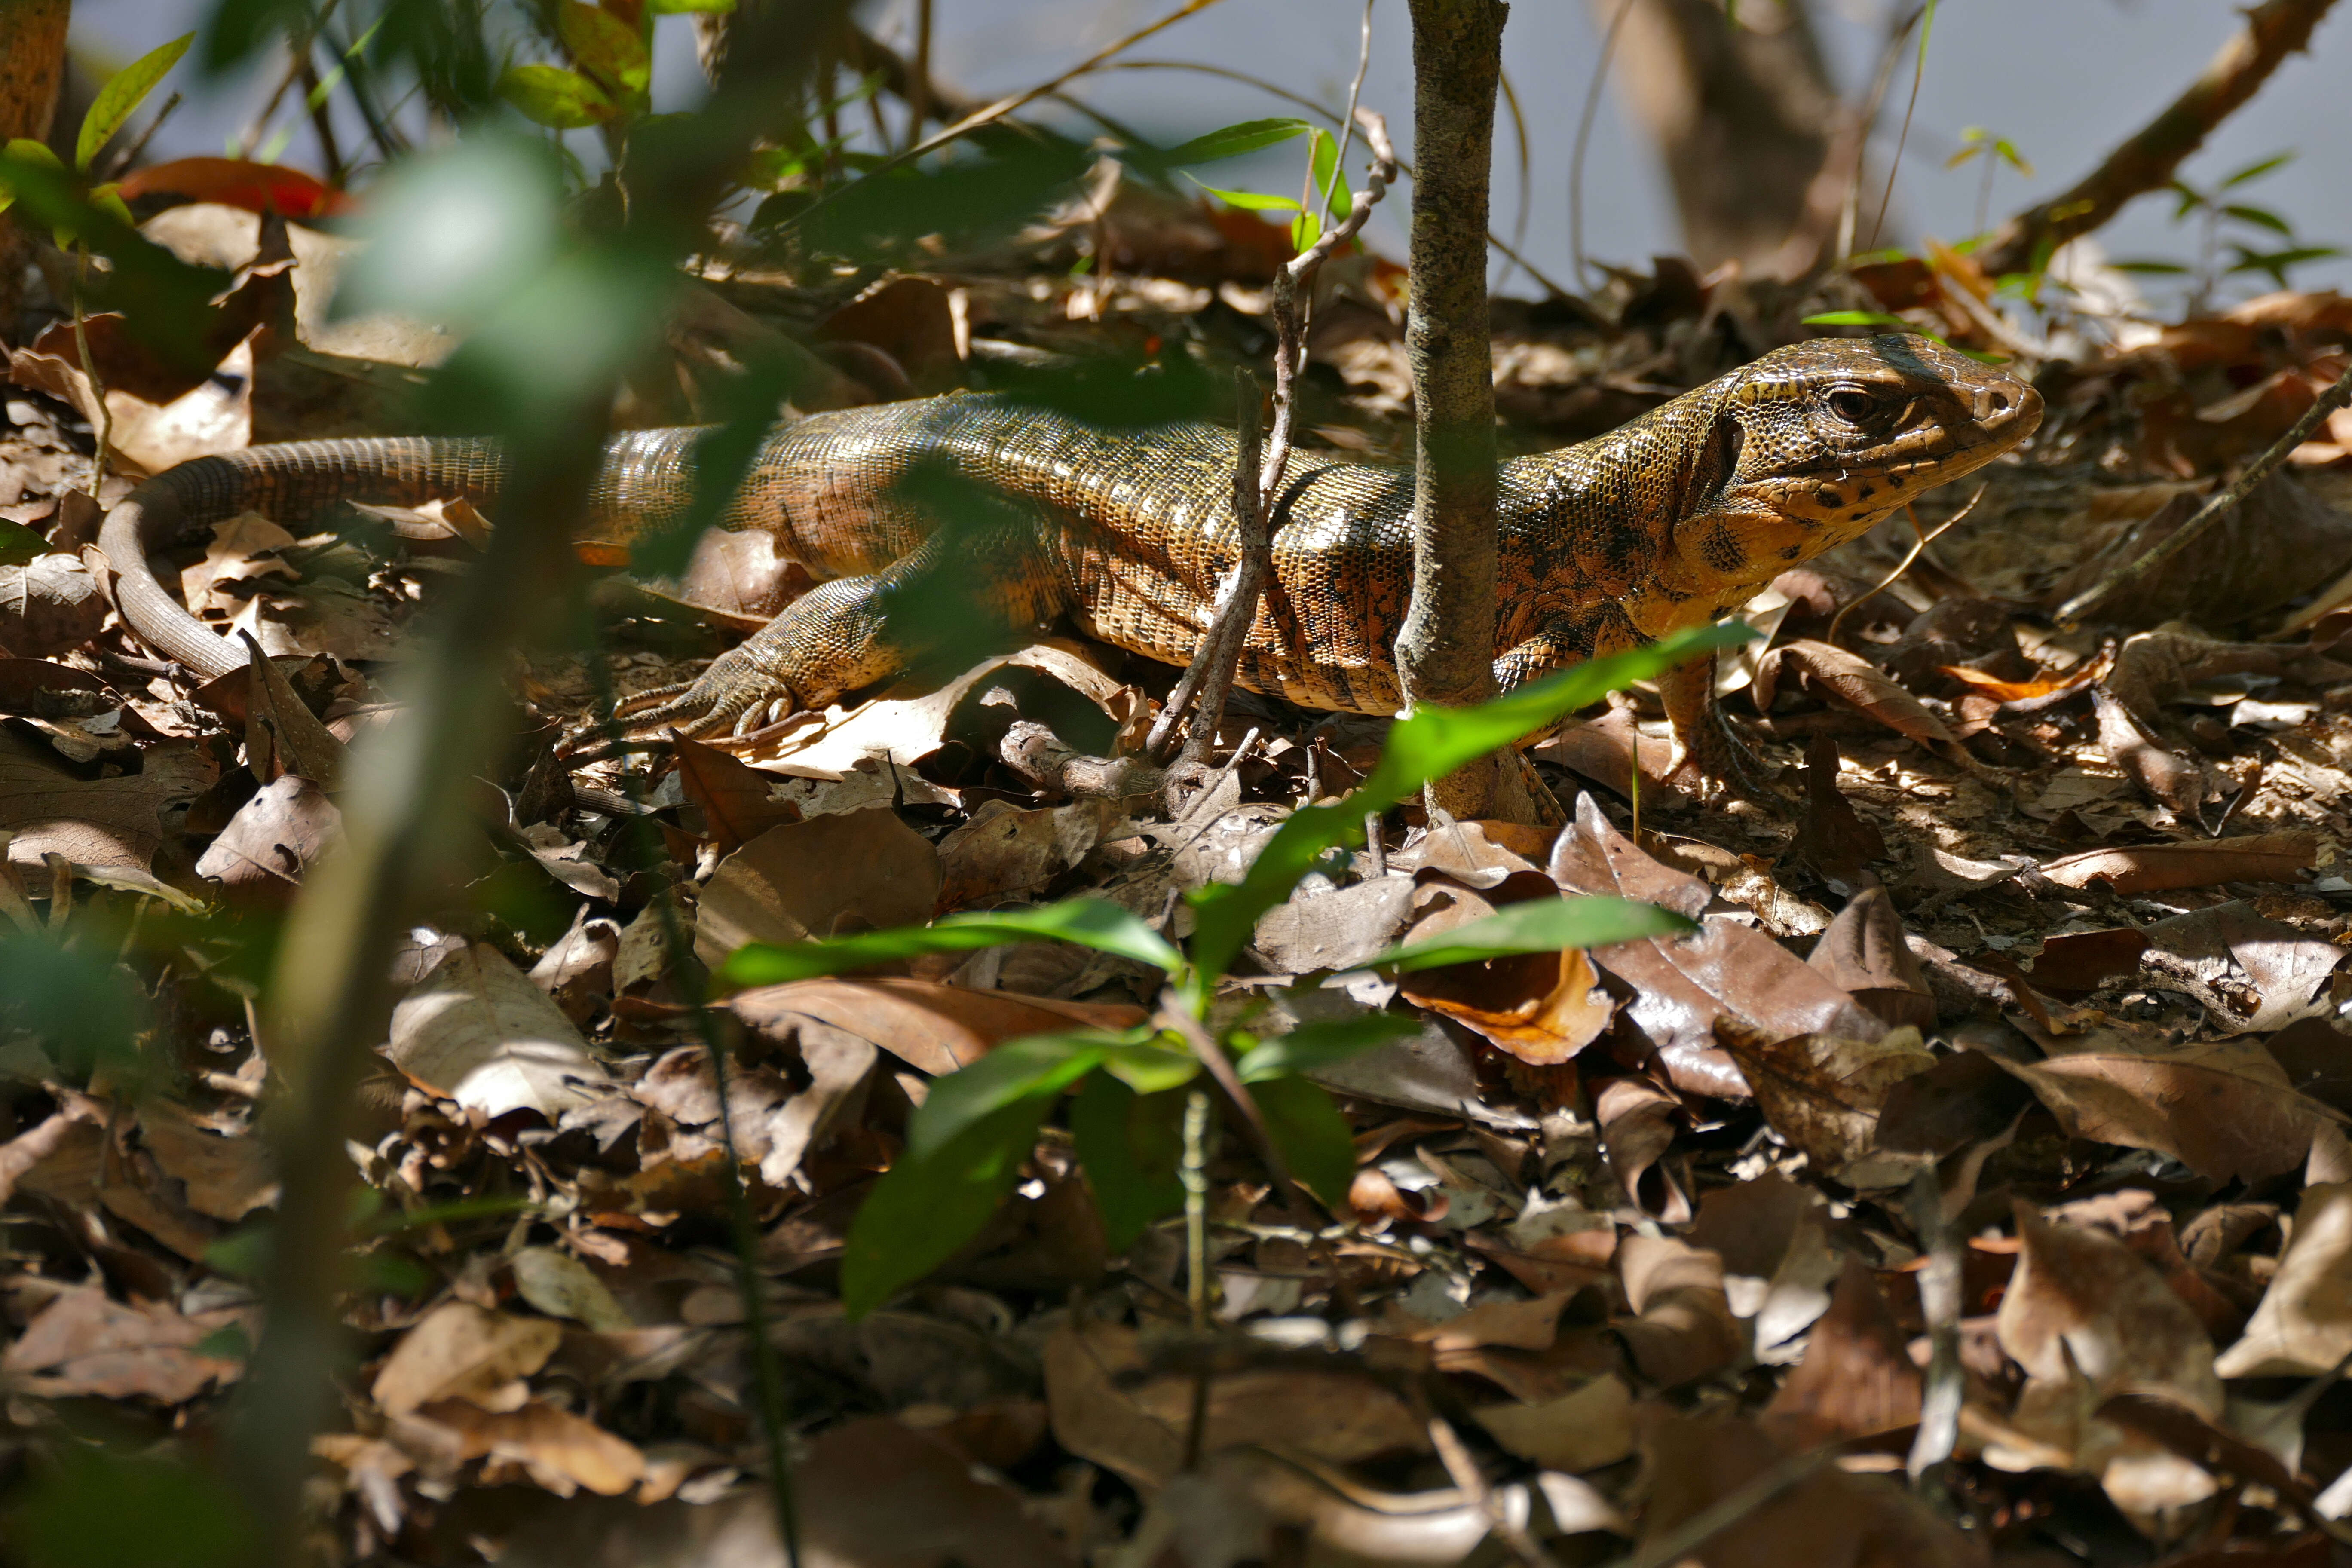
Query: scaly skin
<point>1013,515</point>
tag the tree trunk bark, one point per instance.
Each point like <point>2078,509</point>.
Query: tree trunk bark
<point>1445,653</point>
<point>1743,114</point>
<point>32,69</point>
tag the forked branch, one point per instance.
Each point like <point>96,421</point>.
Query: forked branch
<point>1258,473</point>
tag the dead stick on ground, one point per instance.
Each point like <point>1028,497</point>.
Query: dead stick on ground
<point>2105,589</point>
<point>1258,478</point>
<point>1462,1467</point>
<point>2146,162</point>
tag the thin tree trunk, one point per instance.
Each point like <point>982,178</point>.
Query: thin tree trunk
<point>32,69</point>
<point>1743,114</point>
<point>1445,653</point>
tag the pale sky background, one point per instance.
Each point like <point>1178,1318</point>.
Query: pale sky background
<point>2064,79</point>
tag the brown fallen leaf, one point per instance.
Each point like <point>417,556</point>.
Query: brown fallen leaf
<point>2072,964</point>
<point>736,798</point>
<point>931,1026</point>
<point>2223,1109</point>
<point>1858,684</point>
<point>1830,837</point>
<point>81,1345</point>
<point>476,1030</point>
<point>2252,974</point>
<point>40,689</point>
<point>854,871</point>
<point>1682,1328</point>
<point>458,1351</point>
<point>49,604</point>
<point>1826,1519</point>
<point>559,1450</point>
<point>158,419</point>
<point>1002,850</point>
<point>2303,1326</point>
<point>1857,1379</point>
<point>275,838</point>
<point>2204,863</point>
<point>108,823</point>
<point>2165,776</point>
<point>2086,1319</point>
<point>1823,1094</point>
<point>1333,928</point>
<point>1865,954</point>
<point>1638,1121</point>
<point>225,1177</point>
<point>1136,1428</point>
<point>1540,1007</point>
<point>1683,984</point>
<point>1577,1432</point>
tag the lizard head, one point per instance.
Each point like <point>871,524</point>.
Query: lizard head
<point>1818,442</point>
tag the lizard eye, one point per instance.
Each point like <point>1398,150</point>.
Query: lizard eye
<point>1851,407</point>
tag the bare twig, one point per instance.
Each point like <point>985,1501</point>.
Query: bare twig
<point>1584,136</point>
<point>1833,200</point>
<point>1928,21</point>
<point>2105,590</point>
<point>1924,539</point>
<point>1462,1469</point>
<point>1939,1300</point>
<point>2146,159</point>
<point>1046,760</point>
<point>121,161</point>
<point>1257,479</point>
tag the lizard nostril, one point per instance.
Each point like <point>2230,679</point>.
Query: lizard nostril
<point>2000,401</point>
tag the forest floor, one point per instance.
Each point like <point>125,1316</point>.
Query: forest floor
<point>2004,1075</point>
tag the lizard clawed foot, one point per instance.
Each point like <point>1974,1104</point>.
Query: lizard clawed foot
<point>1716,764</point>
<point>733,696</point>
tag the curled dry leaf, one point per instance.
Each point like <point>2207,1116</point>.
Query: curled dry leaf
<point>1866,954</point>
<point>82,1345</point>
<point>1638,1121</point>
<point>49,604</point>
<point>1682,1328</point>
<point>1542,1007</point>
<point>2204,863</point>
<point>1577,1432</point>
<point>561,1451</point>
<point>854,871</point>
<point>1683,985</point>
<point>2303,1326</point>
<point>2223,1109</point>
<point>736,800</point>
<point>275,838</point>
<point>2086,1319</point>
<point>1858,684</point>
<point>1003,850</point>
<point>459,1350</point>
<point>1831,838</point>
<point>226,1178</point>
<point>2165,776</point>
<point>476,1030</point>
<point>161,417</point>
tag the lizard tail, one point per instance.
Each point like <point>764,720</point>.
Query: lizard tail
<point>290,482</point>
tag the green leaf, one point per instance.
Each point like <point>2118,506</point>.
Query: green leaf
<point>1311,1134</point>
<point>555,97</point>
<point>1305,230</point>
<point>682,7</point>
<point>605,47</point>
<point>1539,925</point>
<point>923,1210</point>
<point>1130,1146</point>
<point>1323,162</point>
<point>2165,268</point>
<point>90,1505</point>
<point>107,198</point>
<point>1088,922</point>
<point>1249,136</point>
<point>1858,318</point>
<point>19,544</point>
<point>1430,743</point>
<point>1152,1065</point>
<point>1030,1067</point>
<point>2256,170</point>
<point>1250,201</point>
<point>2262,217</point>
<point>122,95</point>
<point>1313,1046</point>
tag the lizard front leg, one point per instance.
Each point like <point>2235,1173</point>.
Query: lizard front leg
<point>1707,755</point>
